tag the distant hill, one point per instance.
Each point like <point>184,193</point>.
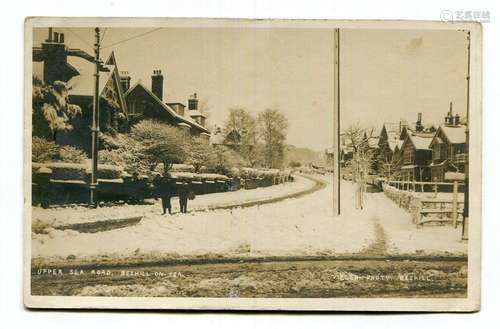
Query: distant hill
<point>304,155</point>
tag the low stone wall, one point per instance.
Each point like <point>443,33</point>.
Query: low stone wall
<point>48,188</point>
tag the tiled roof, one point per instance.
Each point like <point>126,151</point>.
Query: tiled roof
<point>420,142</point>
<point>456,135</point>
<point>186,119</point>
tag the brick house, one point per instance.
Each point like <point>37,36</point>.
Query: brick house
<point>145,103</point>
<point>448,152</point>
<point>415,157</point>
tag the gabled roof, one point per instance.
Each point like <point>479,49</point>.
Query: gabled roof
<point>420,142</point>
<point>405,131</point>
<point>83,83</point>
<point>456,135</point>
<point>166,107</point>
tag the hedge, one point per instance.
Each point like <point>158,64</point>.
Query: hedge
<point>78,171</point>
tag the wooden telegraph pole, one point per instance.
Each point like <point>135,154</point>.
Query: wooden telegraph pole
<point>336,124</point>
<point>95,122</point>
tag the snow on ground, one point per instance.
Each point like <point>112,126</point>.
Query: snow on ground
<point>403,235</point>
<point>298,226</point>
<point>293,227</point>
<point>79,214</point>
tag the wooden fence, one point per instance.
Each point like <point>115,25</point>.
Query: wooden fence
<point>427,207</point>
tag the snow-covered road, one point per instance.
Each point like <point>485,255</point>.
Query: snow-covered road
<point>302,226</point>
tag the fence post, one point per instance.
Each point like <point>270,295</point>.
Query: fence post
<point>435,190</point>
<point>454,213</point>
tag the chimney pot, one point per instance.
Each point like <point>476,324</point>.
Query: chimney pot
<point>56,37</point>
<point>61,37</point>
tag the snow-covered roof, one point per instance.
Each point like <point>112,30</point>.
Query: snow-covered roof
<point>438,164</point>
<point>218,138</point>
<point>420,142</point>
<point>83,84</point>
<point>184,118</point>
<point>458,176</point>
<point>373,142</point>
<point>456,135</point>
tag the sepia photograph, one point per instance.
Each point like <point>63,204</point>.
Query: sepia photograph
<point>259,165</point>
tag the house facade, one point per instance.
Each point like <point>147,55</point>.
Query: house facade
<point>388,147</point>
<point>448,152</point>
<point>147,103</point>
<point>55,62</point>
<point>415,157</point>
<point>232,140</point>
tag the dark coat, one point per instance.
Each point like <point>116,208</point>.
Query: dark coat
<point>164,187</point>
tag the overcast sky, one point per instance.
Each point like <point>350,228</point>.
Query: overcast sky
<point>385,75</point>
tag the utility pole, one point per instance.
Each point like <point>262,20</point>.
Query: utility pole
<point>95,122</point>
<point>336,123</point>
<point>465,217</point>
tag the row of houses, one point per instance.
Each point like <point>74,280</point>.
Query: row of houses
<point>121,104</point>
<point>419,152</point>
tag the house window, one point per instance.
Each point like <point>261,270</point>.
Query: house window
<point>408,156</point>
<point>131,108</point>
<point>437,152</point>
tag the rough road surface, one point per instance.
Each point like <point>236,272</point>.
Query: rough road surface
<point>288,247</point>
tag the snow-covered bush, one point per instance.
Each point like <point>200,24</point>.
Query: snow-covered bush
<point>43,150</point>
<point>72,154</point>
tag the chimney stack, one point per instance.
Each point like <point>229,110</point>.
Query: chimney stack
<point>157,84</point>
<point>193,102</point>
<point>418,126</point>
<point>448,120</point>
<point>125,80</point>
<point>49,39</point>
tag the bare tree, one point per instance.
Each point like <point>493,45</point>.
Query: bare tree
<point>358,139</point>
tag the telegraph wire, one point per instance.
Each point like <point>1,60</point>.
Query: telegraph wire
<point>81,39</point>
<point>131,38</point>
<point>103,34</point>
